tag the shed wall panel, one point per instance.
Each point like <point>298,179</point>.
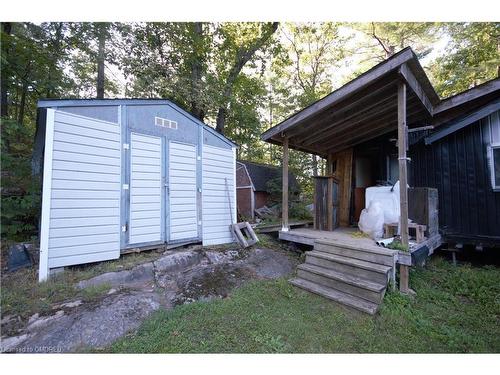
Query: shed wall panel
<point>84,221</point>
<point>219,200</point>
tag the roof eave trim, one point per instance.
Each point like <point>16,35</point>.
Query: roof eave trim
<point>460,124</point>
<point>463,97</point>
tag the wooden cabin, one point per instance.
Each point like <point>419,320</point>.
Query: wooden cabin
<point>389,124</point>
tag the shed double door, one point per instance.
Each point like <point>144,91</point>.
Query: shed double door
<point>163,197</point>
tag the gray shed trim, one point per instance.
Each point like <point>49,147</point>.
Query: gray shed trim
<point>464,121</point>
<point>49,103</point>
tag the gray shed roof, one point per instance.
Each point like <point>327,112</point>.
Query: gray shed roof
<point>48,103</point>
<point>260,174</point>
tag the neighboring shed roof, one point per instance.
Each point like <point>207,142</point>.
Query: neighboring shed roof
<point>262,173</point>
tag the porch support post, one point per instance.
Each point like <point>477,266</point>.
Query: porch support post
<point>403,185</point>
<point>284,203</point>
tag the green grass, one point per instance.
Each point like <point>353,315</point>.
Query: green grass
<point>456,309</point>
<point>22,295</point>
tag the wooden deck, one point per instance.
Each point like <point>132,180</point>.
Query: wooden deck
<point>344,236</point>
<point>307,236</point>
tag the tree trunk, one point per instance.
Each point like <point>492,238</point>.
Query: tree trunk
<point>56,52</point>
<point>243,55</point>
<point>6,30</point>
<point>196,71</point>
<point>22,103</point>
<point>101,58</point>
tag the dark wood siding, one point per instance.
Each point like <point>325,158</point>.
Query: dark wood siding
<point>458,166</point>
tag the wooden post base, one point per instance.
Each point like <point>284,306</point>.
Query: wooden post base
<point>404,276</point>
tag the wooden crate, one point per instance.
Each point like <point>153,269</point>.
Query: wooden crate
<point>423,208</point>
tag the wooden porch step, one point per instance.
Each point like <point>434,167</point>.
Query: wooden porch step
<point>353,285</point>
<point>373,254</point>
<point>377,273</point>
<point>337,296</point>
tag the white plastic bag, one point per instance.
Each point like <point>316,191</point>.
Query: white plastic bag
<point>371,220</point>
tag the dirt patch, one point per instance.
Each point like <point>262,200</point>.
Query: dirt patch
<point>211,282</point>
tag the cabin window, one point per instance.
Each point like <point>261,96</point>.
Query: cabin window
<point>495,167</point>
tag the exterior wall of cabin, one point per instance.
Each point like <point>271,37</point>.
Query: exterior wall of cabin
<point>458,166</point>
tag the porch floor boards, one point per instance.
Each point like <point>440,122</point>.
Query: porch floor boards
<point>342,235</point>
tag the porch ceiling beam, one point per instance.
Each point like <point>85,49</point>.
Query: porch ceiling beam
<point>387,105</point>
<point>386,122</point>
<point>416,87</point>
<point>342,93</point>
<point>324,121</point>
<point>367,135</point>
<point>374,133</point>
<point>356,118</point>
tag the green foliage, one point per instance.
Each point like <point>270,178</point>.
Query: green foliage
<point>455,310</point>
<point>298,210</point>
<point>45,60</point>
<point>20,191</point>
<point>472,57</point>
<point>397,245</point>
<point>387,38</point>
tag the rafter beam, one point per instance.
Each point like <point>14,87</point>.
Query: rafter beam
<point>324,121</point>
<point>413,83</point>
<point>365,115</point>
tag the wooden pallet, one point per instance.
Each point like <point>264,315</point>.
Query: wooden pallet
<point>244,234</point>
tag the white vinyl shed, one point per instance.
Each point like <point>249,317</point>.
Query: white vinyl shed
<point>120,174</point>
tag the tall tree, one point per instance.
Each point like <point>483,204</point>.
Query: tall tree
<point>102,35</point>
<point>471,57</point>
<point>5,43</point>
<point>387,38</point>
<point>315,50</point>
<point>244,52</point>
